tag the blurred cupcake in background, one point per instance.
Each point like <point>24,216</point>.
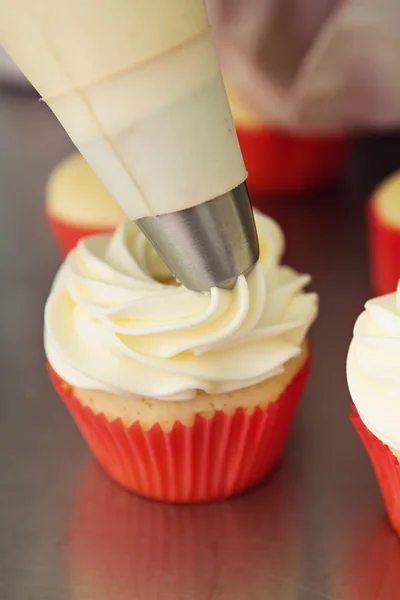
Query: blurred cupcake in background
<point>373,374</point>
<point>279,161</point>
<point>181,396</point>
<point>383,216</point>
<point>78,204</point>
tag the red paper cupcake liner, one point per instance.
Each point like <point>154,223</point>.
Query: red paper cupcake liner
<point>384,250</point>
<point>214,458</point>
<point>68,235</point>
<point>281,162</point>
<point>386,467</point>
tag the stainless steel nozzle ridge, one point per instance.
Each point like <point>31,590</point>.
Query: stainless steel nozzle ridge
<point>210,244</point>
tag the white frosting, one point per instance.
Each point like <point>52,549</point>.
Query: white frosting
<point>373,367</point>
<point>137,86</point>
<point>112,325</point>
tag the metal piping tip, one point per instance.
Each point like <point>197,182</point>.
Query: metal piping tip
<point>210,244</point>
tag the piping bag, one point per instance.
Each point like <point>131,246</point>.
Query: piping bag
<point>137,86</point>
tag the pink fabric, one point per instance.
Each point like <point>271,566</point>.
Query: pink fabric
<point>313,64</point>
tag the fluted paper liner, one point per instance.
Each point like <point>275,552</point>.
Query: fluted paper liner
<point>384,250</point>
<point>214,458</point>
<point>137,86</point>
<point>386,467</point>
<point>282,162</point>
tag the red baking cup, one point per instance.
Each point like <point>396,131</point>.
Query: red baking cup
<point>384,250</point>
<point>282,162</point>
<point>386,467</point>
<point>214,458</point>
<point>68,235</point>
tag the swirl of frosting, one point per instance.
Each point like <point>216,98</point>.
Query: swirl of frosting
<point>373,367</point>
<point>116,320</point>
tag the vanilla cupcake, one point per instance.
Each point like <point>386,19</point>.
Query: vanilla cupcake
<point>78,204</point>
<point>373,373</point>
<point>280,161</point>
<point>383,216</point>
<point>181,396</point>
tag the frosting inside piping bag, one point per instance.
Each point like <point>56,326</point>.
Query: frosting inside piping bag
<point>137,86</point>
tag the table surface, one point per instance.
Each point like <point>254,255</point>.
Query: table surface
<point>315,530</point>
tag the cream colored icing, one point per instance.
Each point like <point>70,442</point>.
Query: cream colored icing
<point>373,367</point>
<point>116,321</point>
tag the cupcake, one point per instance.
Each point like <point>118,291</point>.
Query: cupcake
<point>373,373</point>
<point>181,396</point>
<point>78,204</point>
<point>282,162</point>
<point>383,216</point>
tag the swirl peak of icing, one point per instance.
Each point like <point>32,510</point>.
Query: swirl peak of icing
<point>373,367</point>
<point>116,320</point>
